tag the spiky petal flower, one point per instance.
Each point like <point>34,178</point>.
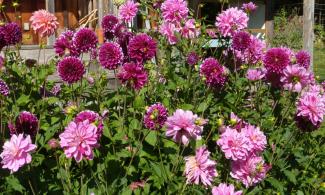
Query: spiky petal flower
<point>12,33</point>
<point>255,74</point>
<point>16,152</point>
<point>168,30</point>
<point>133,75</point>
<point>155,116</point>
<point>128,11</point>
<point>110,55</point>
<point>224,189</point>
<point>26,123</point>
<point>295,78</point>
<point>192,58</point>
<point>182,126</point>
<point>142,48</point>
<point>200,168</point>
<point>256,137</point>
<point>230,21</point>
<point>78,140</point>
<point>4,89</point>
<point>70,69</point>
<point>44,23</point>
<point>250,171</point>
<point>85,40</point>
<point>303,59</point>
<point>276,60</point>
<point>93,118</point>
<point>249,7</point>
<point>174,11</point>
<point>213,73</point>
<point>189,30</point>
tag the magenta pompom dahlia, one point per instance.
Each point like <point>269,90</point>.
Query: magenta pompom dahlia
<point>110,55</point>
<point>70,69</point>
<point>241,41</point>
<point>93,118</point>
<point>213,73</point>
<point>85,40</point>
<point>255,74</point>
<point>63,44</point>
<point>4,89</point>
<point>230,21</point>
<point>44,23</point>
<point>155,116</point>
<point>200,168</point>
<point>295,78</point>
<point>250,171</point>
<point>11,33</point>
<point>142,48</point>
<point>26,123</point>
<point>133,75</point>
<point>109,23</point>
<point>128,11</point>
<point>174,11</point>
<point>16,152</point>
<point>303,59</point>
<point>79,139</point>
<point>276,60</point>
<point>184,126</point>
<point>224,189</point>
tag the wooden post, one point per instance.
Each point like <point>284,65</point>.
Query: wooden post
<point>309,10</point>
<point>50,6</point>
<point>269,23</point>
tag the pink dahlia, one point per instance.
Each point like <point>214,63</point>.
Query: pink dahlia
<point>250,171</point>
<point>11,33</point>
<point>311,106</point>
<point>70,69</point>
<point>256,137</point>
<point>184,126</point>
<point>155,116</point>
<point>241,41</point>
<point>93,118</point>
<point>44,23</point>
<point>168,30</point>
<point>85,40</point>
<point>26,123</point>
<point>189,30</point>
<point>200,168</point>
<point>251,53</point>
<point>174,11</point>
<point>4,89</point>
<point>224,189</point>
<point>142,48</point>
<point>276,60</point>
<point>16,152</point>
<point>295,78</point>
<point>255,74</point>
<point>63,44</point>
<point>109,23</point>
<point>79,139</point>
<point>234,144</point>
<point>133,75</point>
<point>230,21</point>
<point>128,11</point>
<point>303,59</point>
<point>236,122</point>
<point>110,55</point>
<point>249,7</point>
<point>213,73</point>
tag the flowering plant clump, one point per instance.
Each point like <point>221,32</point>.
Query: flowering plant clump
<point>159,110</point>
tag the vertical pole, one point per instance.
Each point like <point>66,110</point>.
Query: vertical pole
<point>269,23</point>
<point>50,7</point>
<point>100,11</point>
<point>308,29</point>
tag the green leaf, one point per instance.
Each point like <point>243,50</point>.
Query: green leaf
<point>139,102</point>
<point>202,107</point>
<point>291,176</point>
<point>276,184</point>
<point>23,100</point>
<point>187,107</point>
<point>14,183</point>
<point>151,138</point>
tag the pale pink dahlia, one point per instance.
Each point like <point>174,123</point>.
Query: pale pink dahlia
<point>93,118</point>
<point>256,137</point>
<point>250,171</point>
<point>16,152</point>
<point>295,78</point>
<point>200,168</point>
<point>234,144</point>
<point>230,21</point>
<point>255,74</point>
<point>168,30</point>
<point>189,30</point>
<point>249,7</point>
<point>174,11</point>
<point>224,189</point>
<point>184,126</point>
<point>44,23</point>
<point>78,140</point>
<point>128,11</point>
<point>155,116</point>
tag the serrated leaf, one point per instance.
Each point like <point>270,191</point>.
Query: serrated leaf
<point>276,184</point>
<point>291,176</point>
<point>14,183</point>
<point>151,138</point>
<point>23,100</point>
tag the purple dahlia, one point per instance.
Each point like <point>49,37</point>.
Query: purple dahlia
<point>133,75</point>
<point>26,123</point>
<point>12,33</point>
<point>276,60</point>
<point>241,41</point>
<point>192,58</point>
<point>109,24</point>
<point>63,44</point>
<point>213,73</point>
<point>70,69</point>
<point>155,117</point>
<point>85,40</point>
<point>303,59</point>
<point>110,55</point>
<point>4,89</point>
<point>142,48</point>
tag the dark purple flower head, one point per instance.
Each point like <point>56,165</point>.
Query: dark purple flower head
<point>241,41</point>
<point>123,40</point>
<point>70,69</point>
<point>63,44</point>
<point>133,75</point>
<point>85,40</point>
<point>2,38</point>
<point>4,89</point>
<point>26,123</point>
<point>276,60</point>
<point>155,117</point>
<point>142,48</point>
<point>306,125</point>
<point>110,55</point>
<point>192,58</point>
<point>303,59</point>
<point>109,23</point>
<point>274,79</point>
<point>12,33</point>
<point>92,117</point>
<point>213,73</point>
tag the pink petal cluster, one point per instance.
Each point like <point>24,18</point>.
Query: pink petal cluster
<point>295,78</point>
<point>257,139</point>
<point>189,30</point>
<point>303,59</point>
<point>128,11</point>
<point>16,152</point>
<point>93,118</point>
<point>250,171</point>
<point>200,168</point>
<point>142,47</point>
<point>230,21</point>
<point>249,7</point>
<point>255,74</point>
<point>213,73</point>
<point>224,189</point>
<point>184,126</point>
<point>79,139</point>
<point>174,11</point>
<point>133,75</point>
<point>155,117</point>
<point>169,30</point>
<point>44,23</point>
<point>110,55</point>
